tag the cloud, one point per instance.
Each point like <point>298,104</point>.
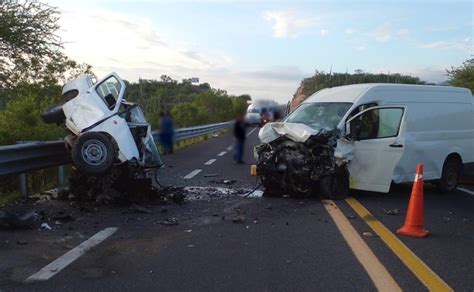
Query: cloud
<point>464,45</point>
<point>109,40</point>
<point>287,24</point>
<point>324,32</point>
<point>383,33</point>
<point>361,48</point>
<point>349,31</point>
<point>134,49</point>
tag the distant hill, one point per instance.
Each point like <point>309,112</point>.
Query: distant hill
<point>322,80</point>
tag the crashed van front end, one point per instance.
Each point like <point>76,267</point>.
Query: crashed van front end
<point>299,161</point>
<point>300,157</point>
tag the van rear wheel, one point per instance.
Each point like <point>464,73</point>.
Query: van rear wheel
<point>450,175</point>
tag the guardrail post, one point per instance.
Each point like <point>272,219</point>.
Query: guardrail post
<point>23,185</point>
<point>61,175</point>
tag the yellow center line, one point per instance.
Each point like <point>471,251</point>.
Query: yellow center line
<point>427,276</point>
<point>377,272</point>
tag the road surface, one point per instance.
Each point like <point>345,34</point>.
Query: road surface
<point>279,244</point>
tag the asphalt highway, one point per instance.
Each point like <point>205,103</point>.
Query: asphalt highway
<point>222,240</point>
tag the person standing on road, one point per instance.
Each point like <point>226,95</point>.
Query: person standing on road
<point>239,134</point>
<point>167,132</point>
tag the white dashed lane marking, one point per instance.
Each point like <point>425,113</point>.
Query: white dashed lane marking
<point>222,153</point>
<point>466,191</point>
<point>229,148</point>
<point>192,174</point>
<point>210,161</point>
<point>249,133</point>
<point>68,258</point>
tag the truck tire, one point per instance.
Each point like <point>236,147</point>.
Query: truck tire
<point>335,186</point>
<point>450,175</point>
<point>54,114</point>
<point>93,153</point>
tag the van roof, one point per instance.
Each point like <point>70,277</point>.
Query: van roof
<point>350,93</point>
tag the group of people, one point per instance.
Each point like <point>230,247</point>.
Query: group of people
<point>167,135</point>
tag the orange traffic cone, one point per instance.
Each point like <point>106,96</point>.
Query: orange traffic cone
<point>414,220</point>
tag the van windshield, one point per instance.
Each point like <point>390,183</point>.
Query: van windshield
<point>319,115</point>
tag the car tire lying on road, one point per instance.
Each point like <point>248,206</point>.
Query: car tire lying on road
<point>450,175</point>
<point>335,186</point>
<point>93,153</point>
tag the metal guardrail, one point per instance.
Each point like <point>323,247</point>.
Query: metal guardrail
<point>29,156</point>
<point>192,132</point>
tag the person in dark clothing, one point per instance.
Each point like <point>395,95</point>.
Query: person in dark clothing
<point>167,132</point>
<point>239,134</point>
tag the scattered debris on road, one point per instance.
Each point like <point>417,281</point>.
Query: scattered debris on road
<point>63,217</point>
<point>12,221</point>
<point>239,216</point>
<point>224,181</point>
<point>369,234</point>
<point>391,211</point>
<point>137,209</point>
<point>211,175</point>
<point>45,226</point>
<point>169,222</point>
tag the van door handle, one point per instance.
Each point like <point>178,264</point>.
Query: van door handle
<point>396,145</point>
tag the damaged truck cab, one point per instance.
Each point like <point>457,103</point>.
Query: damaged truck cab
<point>367,136</point>
<point>103,129</point>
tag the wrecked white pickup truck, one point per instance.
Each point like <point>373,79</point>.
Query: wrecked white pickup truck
<point>104,131</point>
<point>367,136</point>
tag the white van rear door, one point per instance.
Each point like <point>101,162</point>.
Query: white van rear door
<point>379,137</point>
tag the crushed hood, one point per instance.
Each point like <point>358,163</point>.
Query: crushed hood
<point>294,131</point>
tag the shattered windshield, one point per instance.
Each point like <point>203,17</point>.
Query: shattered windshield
<point>320,115</point>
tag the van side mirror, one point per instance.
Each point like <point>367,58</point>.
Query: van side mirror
<point>353,129</point>
<point>348,134</point>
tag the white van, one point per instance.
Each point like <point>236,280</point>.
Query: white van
<point>387,129</point>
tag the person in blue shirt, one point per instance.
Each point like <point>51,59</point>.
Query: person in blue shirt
<point>167,132</point>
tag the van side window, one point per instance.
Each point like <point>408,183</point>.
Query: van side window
<point>378,123</point>
<point>361,108</point>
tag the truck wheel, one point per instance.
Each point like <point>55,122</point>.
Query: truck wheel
<point>336,185</point>
<point>93,153</point>
<point>450,175</point>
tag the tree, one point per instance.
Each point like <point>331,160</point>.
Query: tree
<point>240,104</point>
<point>30,49</point>
<point>462,76</point>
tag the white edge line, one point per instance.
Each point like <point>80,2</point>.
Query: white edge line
<point>466,191</point>
<point>210,161</point>
<point>222,153</point>
<point>69,257</point>
<point>192,174</point>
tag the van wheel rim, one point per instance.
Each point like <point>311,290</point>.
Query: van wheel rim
<point>451,178</point>
<point>94,152</point>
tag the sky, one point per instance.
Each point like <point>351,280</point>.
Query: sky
<point>265,48</point>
